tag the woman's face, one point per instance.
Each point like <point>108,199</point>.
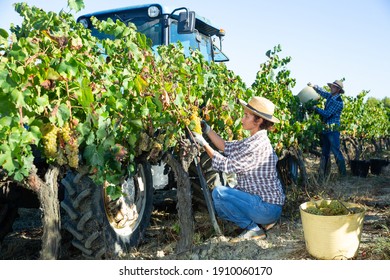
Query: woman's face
<point>249,122</point>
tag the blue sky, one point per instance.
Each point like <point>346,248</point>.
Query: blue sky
<point>327,39</point>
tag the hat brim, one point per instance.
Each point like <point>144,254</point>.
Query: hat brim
<point>260,114</point>
<point>333,84</point>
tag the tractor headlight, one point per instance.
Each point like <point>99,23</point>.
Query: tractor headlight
<point>153,11</point>
<point>84,22</point>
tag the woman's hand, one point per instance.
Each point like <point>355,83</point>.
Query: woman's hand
<point>199,139</point>
<point>205,127</point>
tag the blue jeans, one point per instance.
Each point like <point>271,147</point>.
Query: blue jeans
<point>244,209</point>
<point>331,143</point>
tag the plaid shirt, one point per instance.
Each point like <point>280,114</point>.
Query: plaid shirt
<point>333,107</point>
<point>253,160</point>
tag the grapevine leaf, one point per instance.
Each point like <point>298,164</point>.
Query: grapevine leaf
<point>86,97</point>
<point>84,129</point>
<point>136,123</point>
<point>5,121</point>
<point>20,174</point>
<point>118,31</point>
<point>6,106</point>
<point>7,84</point>
<point>68,68</point>
<point>101,133</point>
<point>42,101</point>
<point>6,159</point>
<point>141,38</point>
<point>90,139</point>
<point>144,110</point>
<point>140,84</point>
<point>158,103</point>
<point>63,114</point>
<point>3,158</point>
<point>18,98</point>
<point>3,33</point>
<point>14,138</point>
<point>17,53</point>
<point>3,77</point>
<point>94,158</point>
<point>20,70</point>
<point>52,74</point>
<point>179,99</point>
<point>76,5</point>
<point>109,143</point>
<point>35,134</point>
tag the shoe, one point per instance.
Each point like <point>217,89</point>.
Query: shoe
<point>269,226</point>
<point>250,235</point>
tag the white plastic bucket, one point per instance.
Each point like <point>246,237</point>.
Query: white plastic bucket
<point>332,237</point>
<point>308,93</point>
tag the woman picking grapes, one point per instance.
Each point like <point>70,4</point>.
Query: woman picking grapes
<point>255,203</point>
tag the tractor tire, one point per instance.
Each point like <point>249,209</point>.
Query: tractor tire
<point>102,228</point>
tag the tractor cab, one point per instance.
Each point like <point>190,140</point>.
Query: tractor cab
<point>165,27</point>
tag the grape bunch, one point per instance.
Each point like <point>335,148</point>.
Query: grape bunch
<point>49,133</point>
<point>72,152</point>
<point>143,142</point>
<point>193,122</point>
<point>66,133</point>
<point>60,144</point>
<point>326,208</point>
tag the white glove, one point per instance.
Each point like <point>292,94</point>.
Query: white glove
<point>199,139</point>
<point>205,127</point>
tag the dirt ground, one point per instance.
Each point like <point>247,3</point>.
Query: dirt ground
<point>284,242</point>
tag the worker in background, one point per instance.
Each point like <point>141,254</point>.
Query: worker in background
<point>330,136</point>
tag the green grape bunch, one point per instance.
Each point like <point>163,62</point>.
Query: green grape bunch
<point>326,208</point>
<point>69,145</point>
<point>49,133</point>
<point>60,145</point>
<point>72,152</point>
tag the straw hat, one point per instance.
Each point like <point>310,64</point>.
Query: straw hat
<point>338,84</point>
<point>261,107</point>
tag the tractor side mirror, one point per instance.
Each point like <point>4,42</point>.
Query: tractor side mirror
<point>186,24</point>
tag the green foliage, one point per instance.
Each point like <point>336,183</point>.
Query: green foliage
<point>386,102</point>
<point>364,120</point>
<point>128,102</point>
<point>54,73</point>
<point>273,81</point>
<point>372,102</point>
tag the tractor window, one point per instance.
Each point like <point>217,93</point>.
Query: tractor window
<point>192,41</point>
<point>219,56</point>
<point>153,29</point>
